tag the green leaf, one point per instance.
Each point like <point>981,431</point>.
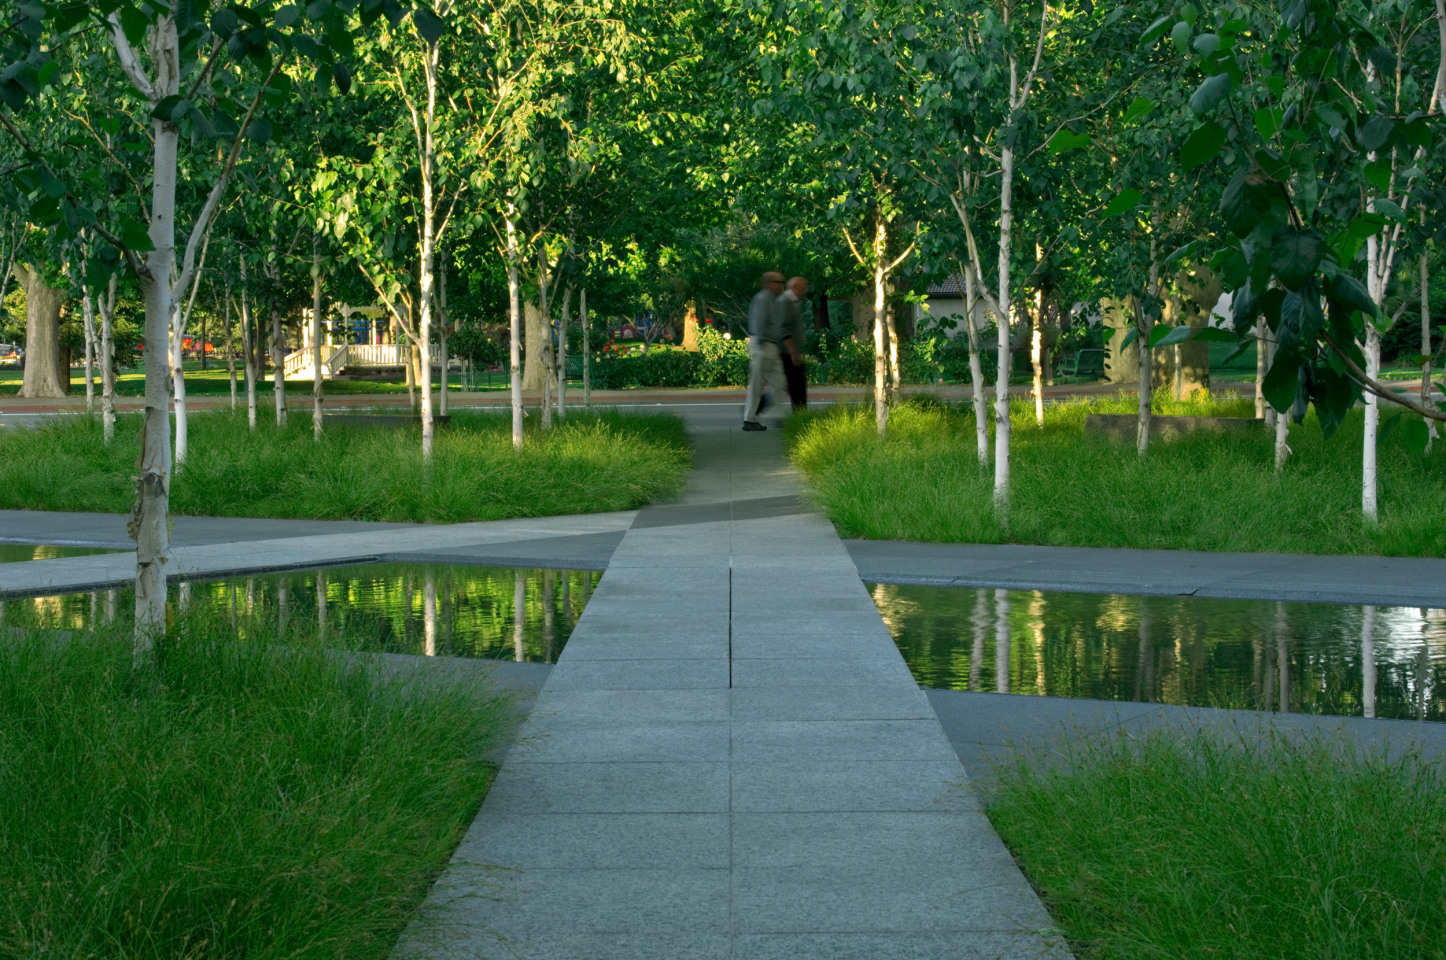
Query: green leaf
<point>1156,30</point>
<point>1131,336</point>
<point>51,184</point>
<point>1295,254</point>
<point>1206,44</point>
<point>1137,109</point>
<point>1282,381</point>
<point>1241,216</point>
<point>260,130</point>
<point>1125,201</point>
<point>224,22</point>
<point>1373,134</point>
<point>1203,145</point>
<point>1268,121</point>
<point>1240,348</point>
<point>1389,209</point>
<point>1214,335</point>
<point>429,26</point>
<point>1348,292</point>
<point>171,108</point>
<point>137,238</point>
<point>1163,336</point>
<point>1180,34</point>
<point>1331,118</point>
<point>1067,140</point>
<point>1415,435</point>
<point>1211,92</point>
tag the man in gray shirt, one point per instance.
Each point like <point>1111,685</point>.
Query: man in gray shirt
<point>765,332</point>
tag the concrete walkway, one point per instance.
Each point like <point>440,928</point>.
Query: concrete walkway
<point>731,759</point>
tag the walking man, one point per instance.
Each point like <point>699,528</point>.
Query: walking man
<point>765,332</point>
<point>791,353</point>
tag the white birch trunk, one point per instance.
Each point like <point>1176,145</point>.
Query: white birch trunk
<point>1282,434</point>
<point>895,375</point>
<point>562,354</point>
<point>278,361</point>
<point>1261,363</point>
<point>976,369</point>
<point>1369,508</point>
<point>586,354</point>
<point>1271,417</point>
<point>230,349</point>
<point>1001,641</point>
<point>149,522</point>
<point>1426,344</point>
<point>427,278</point>
<point>443,330</point>
<point>1001,385</point>
<point>1147,383</point>
<point>514,312</point>
<point>1036,357</point>
<point>546,321</point>
<point>248,351</point>
<point>107,361</point>
<point>178,380</point>
<point>87,308</point>
<point>881,402</point>
<point>316,388</point>
<point>519,616</point>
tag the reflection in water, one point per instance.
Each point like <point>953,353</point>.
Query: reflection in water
<point>435,610</point>
<point>1296,657</point>
<point>22,552</point>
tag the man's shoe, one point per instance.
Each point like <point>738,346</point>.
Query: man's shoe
<point>753,425</point>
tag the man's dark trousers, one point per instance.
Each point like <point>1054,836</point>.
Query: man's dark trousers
<point>797,376</point>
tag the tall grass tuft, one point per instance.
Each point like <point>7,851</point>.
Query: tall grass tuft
<point>592,462</point>
<point>1221,844</point>
<point>242,801</point>
<point>1202,491</point>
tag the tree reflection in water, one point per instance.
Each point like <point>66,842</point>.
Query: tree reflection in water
<point>435,610</point>
<point>1299,657</point>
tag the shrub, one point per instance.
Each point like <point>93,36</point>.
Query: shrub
<point>659,367</point>
<point>725,361</point>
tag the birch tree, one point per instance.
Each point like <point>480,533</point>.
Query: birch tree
<point>173,59</point>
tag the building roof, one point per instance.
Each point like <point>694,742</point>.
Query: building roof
<point>950,286</point>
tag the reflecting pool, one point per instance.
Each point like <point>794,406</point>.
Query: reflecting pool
<point>1248,654</point>
<point>21,552</point>
<point>437,610</point>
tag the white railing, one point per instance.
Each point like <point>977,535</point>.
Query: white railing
<point>377,354</point>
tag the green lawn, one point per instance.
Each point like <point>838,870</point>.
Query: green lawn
<point>238,803</point>
<point>591,462</point>
<point>1205,491</point>
<point>1218,846</point>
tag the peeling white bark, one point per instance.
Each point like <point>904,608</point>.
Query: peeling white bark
<point>881,399</point>
<point>515,320</point>
<point>976,369</point>
<point>107,361</point>
<point>316,379</point>
<point>1369,508</point>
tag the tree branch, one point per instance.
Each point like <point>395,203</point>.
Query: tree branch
<point>129,63</point>
<point>1380,390</point>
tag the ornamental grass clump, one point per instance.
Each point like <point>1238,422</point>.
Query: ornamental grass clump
<point>1217,843</point>
<point>237,801</point>
<point>591,462</point>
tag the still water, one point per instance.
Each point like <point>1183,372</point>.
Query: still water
<point>1247,654</point>
<point>21,552</point>
<point>436,610</point>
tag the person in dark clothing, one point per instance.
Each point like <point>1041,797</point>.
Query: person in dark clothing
<point>794,332</point>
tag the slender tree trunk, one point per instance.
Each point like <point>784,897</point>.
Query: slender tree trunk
<point>107,361</point>
<point>1369,508</point>
<point>546,320</point>
<point>230,347</point>
<point>444,327</point>
<point>149,524</point>
<point>1282,434</point>
<point>895,374</point>
<point>428,277</point>
<point>87,306</point>
<point>881,403</point>
<point>1001,387</point>
<point>1036,355</point>
<point>278,363</point>
<point>1147,382</point>
<point>178,380</point>
<point>248,338</point>
<point>562,354</point>
<point>515,319</point>
<point>1426,341</point>
<point>586,354</point>
<point>1261,364</point>
<point>976,369</point>
<point>316,388</point>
